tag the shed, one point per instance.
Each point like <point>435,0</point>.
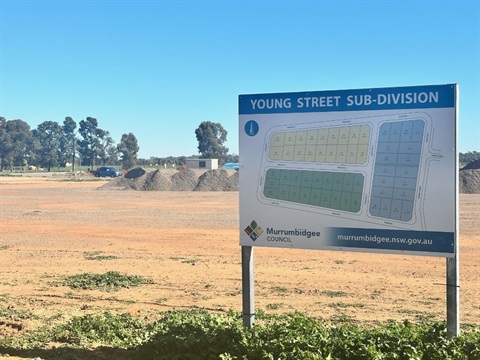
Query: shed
<point>207,164</point>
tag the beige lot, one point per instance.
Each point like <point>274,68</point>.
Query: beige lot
<point>187,242</point>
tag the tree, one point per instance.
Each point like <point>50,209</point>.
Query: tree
<point>211,137</point>
<point>48,134</point>
<point>468,157</point>
<point>230,158</point>
<point>3,141</point>
<point>128,148</point>
<point>90,145</point>
<point>33,150</point>
<point>14,137</point>
<point>112,152</point>
<point>107,150</point>
<point>68,142</point>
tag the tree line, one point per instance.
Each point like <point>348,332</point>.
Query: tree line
<point>52,144</point>
<point>468,157</point>
<point>57,145</point>
<point>211,137</point>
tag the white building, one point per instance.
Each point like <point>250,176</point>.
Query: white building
<point>207,164</point>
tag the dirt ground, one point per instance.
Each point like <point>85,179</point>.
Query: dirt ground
<point>187,242</point>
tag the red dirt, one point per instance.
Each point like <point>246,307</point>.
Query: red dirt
<point>187,242</point>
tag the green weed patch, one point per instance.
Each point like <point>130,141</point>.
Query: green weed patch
<point>202,335</point>
<point>110,281</point>
<point>199,334</point>
<point>98,255</point>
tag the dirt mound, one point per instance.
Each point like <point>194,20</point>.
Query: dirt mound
<point>469,181</point>
<point>233,182</point>
<point>140,179</point>
<point>135,173</point>
<point>215,180</point>
<point>155,181</point>
<point>472,165</point>
<point>123,183</point>
<point>184,180</point>
<point>132,180</point>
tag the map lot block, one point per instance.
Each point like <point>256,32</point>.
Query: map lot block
<point>326,189</point>
<point>396,169</point>
<point>336,145</point>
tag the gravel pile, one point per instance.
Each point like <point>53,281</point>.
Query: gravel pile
<point>233,181</point>
<point>472,165</point>
<point>215,180</point>
<point>469,181</point>
<point>135,173</point>
<point>125,183</point>
<point>140,179</point>
<point>184,180</point>
<point>155,181</point>
<point>469,178</point>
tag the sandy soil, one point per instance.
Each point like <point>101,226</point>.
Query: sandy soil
<point>187,242</point>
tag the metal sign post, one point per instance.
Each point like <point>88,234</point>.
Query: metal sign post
<point>453,263</point>
<point>453,297</point>
<point>247,287</point>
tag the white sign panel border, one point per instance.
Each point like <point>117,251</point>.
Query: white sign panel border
<point>371,170</point>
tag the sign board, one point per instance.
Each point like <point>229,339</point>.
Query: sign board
<point>371,170</point>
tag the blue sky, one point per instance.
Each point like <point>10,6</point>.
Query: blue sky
<point>159,68</point>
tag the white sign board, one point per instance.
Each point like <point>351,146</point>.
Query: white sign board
<point>364,170</point>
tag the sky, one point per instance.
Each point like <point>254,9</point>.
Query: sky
<point>158,69</point>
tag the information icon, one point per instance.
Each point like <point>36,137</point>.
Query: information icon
<point>251,128</point>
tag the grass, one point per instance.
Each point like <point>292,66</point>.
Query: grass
<point>190,261</point>
<point>98,255</point>
<point>110,281</point>
<point>376,293</point>
<point>343,305</point>
<point>234,293</point>
<point>333,294</point>
<point>13,314</point>
<point>420,315</point>
<point>280,290</point>
<point>274,306</point>
<point>184,260</point>
<point>410,311</point>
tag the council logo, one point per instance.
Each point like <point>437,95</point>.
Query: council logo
<point>253,230</point>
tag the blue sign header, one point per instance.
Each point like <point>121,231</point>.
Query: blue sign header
<point>413,97</point>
